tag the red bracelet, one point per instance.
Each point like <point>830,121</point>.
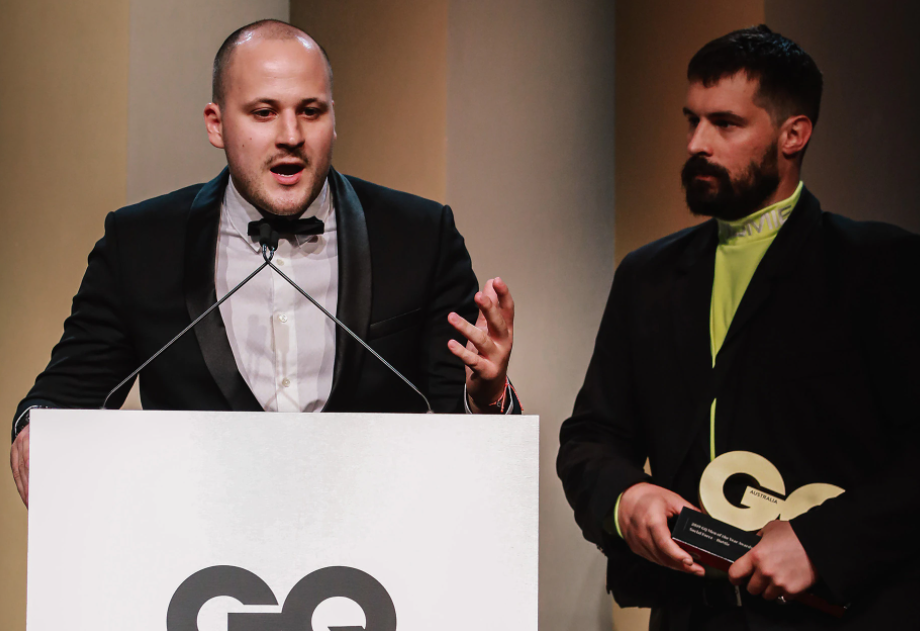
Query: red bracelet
<point>499,403</point>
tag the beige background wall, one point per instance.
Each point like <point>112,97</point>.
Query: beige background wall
<point>390,87</point>
<point>530,175</point>
<point>865,158</point>
<point>63,138</point>
<point>173,43</point>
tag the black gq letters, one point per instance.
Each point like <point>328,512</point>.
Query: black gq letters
<point>298,608</point>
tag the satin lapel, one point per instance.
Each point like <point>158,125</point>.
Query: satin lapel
<point>779,260</point>
<point>200,257</point>
<point>691,294</point>
<point>354,302</point>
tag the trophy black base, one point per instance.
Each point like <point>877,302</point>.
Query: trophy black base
<point>711,542</point>
<point>715,544</point>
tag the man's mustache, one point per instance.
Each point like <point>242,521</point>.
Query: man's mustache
<point>298,155</point>
<point>698,165</point>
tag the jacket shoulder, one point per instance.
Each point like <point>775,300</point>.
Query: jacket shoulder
<point>176,203</point>
<point>377,199</point>
<point>664,253</point>
<point>869,236</point>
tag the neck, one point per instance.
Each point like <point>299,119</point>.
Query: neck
<point>789,181</point>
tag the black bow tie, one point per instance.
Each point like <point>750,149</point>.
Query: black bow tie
<point>281,225</point>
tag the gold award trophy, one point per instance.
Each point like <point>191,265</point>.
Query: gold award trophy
<point>726,530</point>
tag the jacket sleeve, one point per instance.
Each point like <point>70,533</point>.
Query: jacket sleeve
<point>94,352</point>
<point>874,525</point>
<point>602,449</point>
<point>453,287</point>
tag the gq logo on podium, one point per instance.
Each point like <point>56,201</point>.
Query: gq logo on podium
<point>758,506</point>
<point>299,606</point>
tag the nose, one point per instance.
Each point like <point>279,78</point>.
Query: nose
<point>699,140</point>
<point>289,132</point>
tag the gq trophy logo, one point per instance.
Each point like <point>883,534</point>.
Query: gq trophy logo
<point>761,505</point>
<point>298,608</point>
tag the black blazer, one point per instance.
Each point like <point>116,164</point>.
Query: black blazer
<point>402,268</point>
<point>819,373</point>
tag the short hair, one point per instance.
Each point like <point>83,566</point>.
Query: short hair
<point>790,83</point>
<point>272,29</point>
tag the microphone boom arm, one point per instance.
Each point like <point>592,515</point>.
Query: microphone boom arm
<point>185,330</point>
<point>345,328</point>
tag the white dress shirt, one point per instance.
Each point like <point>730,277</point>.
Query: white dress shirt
<point>284,347</point>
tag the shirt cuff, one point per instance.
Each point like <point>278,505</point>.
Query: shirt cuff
<point>508,397</point>
<point>615,516</point>
<point>23,420</point>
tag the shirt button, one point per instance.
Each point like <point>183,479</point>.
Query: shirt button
<point>279,261</point>
<point>286,382</point>
<point>282,318</point>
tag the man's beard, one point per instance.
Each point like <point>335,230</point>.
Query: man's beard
<point>725,198</point>
<point>252,188</point>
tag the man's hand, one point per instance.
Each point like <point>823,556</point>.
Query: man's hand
<point>19,463</point>
<point>643,515</point>
<point>487,353</point>
<point>777,566</point>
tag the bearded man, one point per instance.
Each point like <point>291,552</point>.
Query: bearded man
<point>392,266</point>
<point>776,329</point>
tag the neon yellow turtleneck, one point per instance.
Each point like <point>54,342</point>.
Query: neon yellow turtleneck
<point>742,245</point>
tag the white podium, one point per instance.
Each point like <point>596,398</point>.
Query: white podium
<point>199,521</point>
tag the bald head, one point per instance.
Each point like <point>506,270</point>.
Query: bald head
<point>263,29</point>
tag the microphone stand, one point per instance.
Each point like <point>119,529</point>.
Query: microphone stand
<point>183,332</point>
<point>268,239</point>
<point>342,325</point>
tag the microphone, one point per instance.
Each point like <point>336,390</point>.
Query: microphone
<point>268,239</point>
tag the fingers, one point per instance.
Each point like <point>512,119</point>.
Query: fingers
<point>772,592</point>
<point>467,356</point>
<point>14,467</point>
<point>19,463</point>
<point>757,583</point>
<point>505,303</point>
<point>24,454</point>
<point>676,503</point>
<point>672,554</point>
<point>741,569</point>
<point>493,315</point>
<point>479,338</point>
<point>489,290</point>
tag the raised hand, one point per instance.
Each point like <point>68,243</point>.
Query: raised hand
<point>488,350</point>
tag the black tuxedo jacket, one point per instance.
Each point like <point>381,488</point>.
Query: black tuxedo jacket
<point>402,268</point>
<point>819,373</point>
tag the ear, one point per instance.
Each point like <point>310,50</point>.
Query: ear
<point>794,135</point>
<point>214,124</point>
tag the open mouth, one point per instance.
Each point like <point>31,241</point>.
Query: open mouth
<point>287,173</point>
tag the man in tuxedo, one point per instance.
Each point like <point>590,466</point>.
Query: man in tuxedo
<point>392,266</point>
<point>773,328</point>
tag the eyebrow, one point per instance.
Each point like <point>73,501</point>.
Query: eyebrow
<point>313,100</point>
<point>723,115</point>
